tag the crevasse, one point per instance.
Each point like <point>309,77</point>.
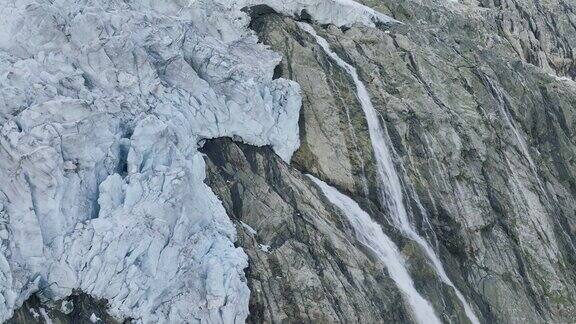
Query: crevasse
<point>390,185</point>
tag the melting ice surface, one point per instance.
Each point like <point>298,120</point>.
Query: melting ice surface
<point>102,106</point>
<point>370,234</point>
<point>390,182</point>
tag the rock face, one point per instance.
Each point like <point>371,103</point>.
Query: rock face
<point>482,133</point>
<point>305,266</point>
<point>77,308</point>
<point>478,98</point>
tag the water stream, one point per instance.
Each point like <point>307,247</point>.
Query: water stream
<point>390,185</point>
<point>370,234</point>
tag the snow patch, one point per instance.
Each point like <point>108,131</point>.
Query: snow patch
<point>264,248</point>
<point>94,318</point>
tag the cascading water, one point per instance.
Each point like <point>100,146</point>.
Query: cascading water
<point>370,234</point>
<point>512,125</point>
<point>501,105</point>
<point>391,188</point>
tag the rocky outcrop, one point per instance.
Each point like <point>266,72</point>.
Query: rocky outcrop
<point>482,135</point>
<point>77,308</point>
<point>305,265</point>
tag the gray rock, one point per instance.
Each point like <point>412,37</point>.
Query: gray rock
<point>482,131</point>
<point>305,265</point>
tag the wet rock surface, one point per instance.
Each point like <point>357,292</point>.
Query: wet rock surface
<point>482,132</point>
<point>306,266</point>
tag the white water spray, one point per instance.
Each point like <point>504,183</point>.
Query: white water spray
<point>390,187</point>
<point>370,234</point>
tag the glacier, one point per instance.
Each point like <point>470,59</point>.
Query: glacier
<point>103,106</point>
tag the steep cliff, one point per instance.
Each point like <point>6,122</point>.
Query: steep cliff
<point>475,100</point>
<point>482,135</point>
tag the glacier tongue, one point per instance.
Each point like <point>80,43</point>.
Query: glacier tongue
<point>103,105</point>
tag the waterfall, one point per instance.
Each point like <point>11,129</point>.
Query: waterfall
<point>370,234</point>
<point>390,185</point>
<point>501,104</point>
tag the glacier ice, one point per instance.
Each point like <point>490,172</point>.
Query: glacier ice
<point>103,105</point>
<point>336,12</point>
